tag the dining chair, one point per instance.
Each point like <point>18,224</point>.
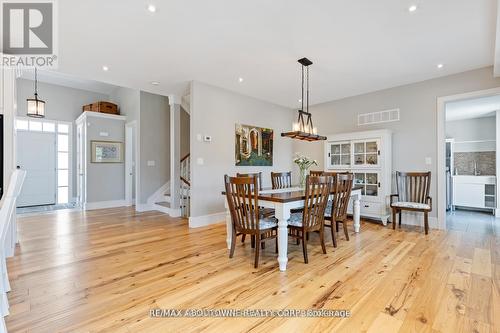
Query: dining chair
<point>281,179</point>
<point>264,212</point>
<point>336,210</point>
<point>316,173</point>
<point>312,217</point>
<point>412,195</point>
<point>242,195</point>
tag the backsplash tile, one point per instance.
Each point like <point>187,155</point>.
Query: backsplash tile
<point>464,163</point>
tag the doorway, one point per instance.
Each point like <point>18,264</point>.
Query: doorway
<point>131,178</point>
<point>474,168</point>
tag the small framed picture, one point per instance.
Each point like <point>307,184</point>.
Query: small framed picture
<point>106,152</point>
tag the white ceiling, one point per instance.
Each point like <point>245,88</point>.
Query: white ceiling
<point>357,46</point>
<point>66,80</point>
<point>472,108</point>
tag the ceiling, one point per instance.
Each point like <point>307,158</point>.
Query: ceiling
<point>356,46</point>
<point>472,108</point>
<point>66,80</point>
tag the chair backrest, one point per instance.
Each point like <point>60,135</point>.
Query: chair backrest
<point>242,197</point>
<point>281,179</point>
<point>255,174</point>
<point>413,186</point>
<point>315,173</point>
<point>317,193</point>
<point>342,186</point>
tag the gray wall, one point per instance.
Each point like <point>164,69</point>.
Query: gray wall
<point>214,112</point>
<point>154,143</point>
<point>62,103</point>
<point>128,101</point>
<point>477,129</point>
<point>184,133</point>
<point>105,181</point>
<point>415,135</point>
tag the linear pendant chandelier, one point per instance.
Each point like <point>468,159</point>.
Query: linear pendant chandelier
<point>304,129</point>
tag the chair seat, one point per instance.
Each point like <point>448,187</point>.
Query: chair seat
<point>268,223</point>
<point>295,220</point>
<point>328,210</point>
<point>412,205</point>
<point>266,212</point>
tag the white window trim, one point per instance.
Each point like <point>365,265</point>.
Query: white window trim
<point>71,199</point>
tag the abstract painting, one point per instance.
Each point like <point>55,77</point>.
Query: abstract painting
<point>107,152</point>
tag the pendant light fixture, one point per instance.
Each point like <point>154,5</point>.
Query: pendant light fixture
<point>36,107</point>
<point>304,129</point>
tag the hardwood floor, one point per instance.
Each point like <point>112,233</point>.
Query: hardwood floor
<point>104,270</point>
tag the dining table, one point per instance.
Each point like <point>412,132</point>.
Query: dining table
<point>283,201</point>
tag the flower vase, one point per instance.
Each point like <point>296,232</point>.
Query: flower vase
<point>303,175</point>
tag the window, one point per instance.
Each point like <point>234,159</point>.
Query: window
<point>35,125</point>
<point>49,127</point>
<point>63,128</point>
<point>22,124</point>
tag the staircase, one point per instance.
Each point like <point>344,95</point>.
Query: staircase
<point>162,202</point>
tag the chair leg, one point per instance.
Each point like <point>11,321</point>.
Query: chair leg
<point>276,244</point>
<point>426,222</point>
<point>394,219</point>
<point>322,239</point>
<point>400,214</point>
<point>263,245</point>
<point>334,236</point>
<point>304,247</point>
<point>307,235</point>
<point>336,226</point>
<point>243,238</point>
<point>257,249</point>
<point>344,226</point>
<point>233,244</point>
<point>252,241</point>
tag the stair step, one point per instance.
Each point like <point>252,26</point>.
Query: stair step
<point>163,203</point>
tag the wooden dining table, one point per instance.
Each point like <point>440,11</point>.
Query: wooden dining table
<point>283,201</point>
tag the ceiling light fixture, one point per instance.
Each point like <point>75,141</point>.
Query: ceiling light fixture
<point>155,83</point>
<point>304,129</point>
<point>240,79</point>
<point>152,8</point>
<point>412,8</point>
<point>440,66</point>
<point>105,68</point>
<point>36,107</point>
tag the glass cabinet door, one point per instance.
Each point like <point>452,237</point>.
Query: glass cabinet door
<point>369,182</point>
<point>340,154</point>
<point>366,153</point>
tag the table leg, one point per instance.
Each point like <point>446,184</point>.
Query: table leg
<point>229,226</point>
<point>282,214</point>
<point>356,213</point>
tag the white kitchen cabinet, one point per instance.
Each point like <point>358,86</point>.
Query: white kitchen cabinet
<point>368,156</point>
<point>474,191</point>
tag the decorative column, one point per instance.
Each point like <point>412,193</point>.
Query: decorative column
<point>175,152</point>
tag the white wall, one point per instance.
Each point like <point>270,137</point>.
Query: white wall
<point>214,112</point>
<point>415,135</point>
<point>61,103</point>
<point>476,129</point>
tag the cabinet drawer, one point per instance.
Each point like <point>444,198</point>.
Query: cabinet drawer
<point>370,208</point>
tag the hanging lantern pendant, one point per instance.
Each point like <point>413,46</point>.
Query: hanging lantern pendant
<point>35,106</point>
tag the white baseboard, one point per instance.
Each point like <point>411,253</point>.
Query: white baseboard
<point>417,219</point>
<point>143,207</point>
<point>204,220</point>
<point>104,204</point>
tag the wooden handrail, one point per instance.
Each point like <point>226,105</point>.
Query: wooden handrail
<point>185,157</point>
<point>185,181</point>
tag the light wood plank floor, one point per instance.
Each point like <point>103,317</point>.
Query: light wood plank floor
<point>104,270</point>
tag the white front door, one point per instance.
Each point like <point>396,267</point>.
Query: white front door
<point>130,156</point>
<point>36,153</point>
<point>80,167</point>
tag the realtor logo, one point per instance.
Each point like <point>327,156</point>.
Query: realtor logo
<point>28,33</point>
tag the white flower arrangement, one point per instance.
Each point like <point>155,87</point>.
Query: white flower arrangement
<point>304,162</point>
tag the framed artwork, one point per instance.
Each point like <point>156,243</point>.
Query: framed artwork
<point>106,152</point>
<point>253,146</point>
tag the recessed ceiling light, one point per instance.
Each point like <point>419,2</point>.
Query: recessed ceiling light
<point>240,79</point>
<point>440,66</point>
<point>412,8</point>
<point>152,8</point>
<point>300,100</point>
<point>105,68</point>
<point>155,83</point>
